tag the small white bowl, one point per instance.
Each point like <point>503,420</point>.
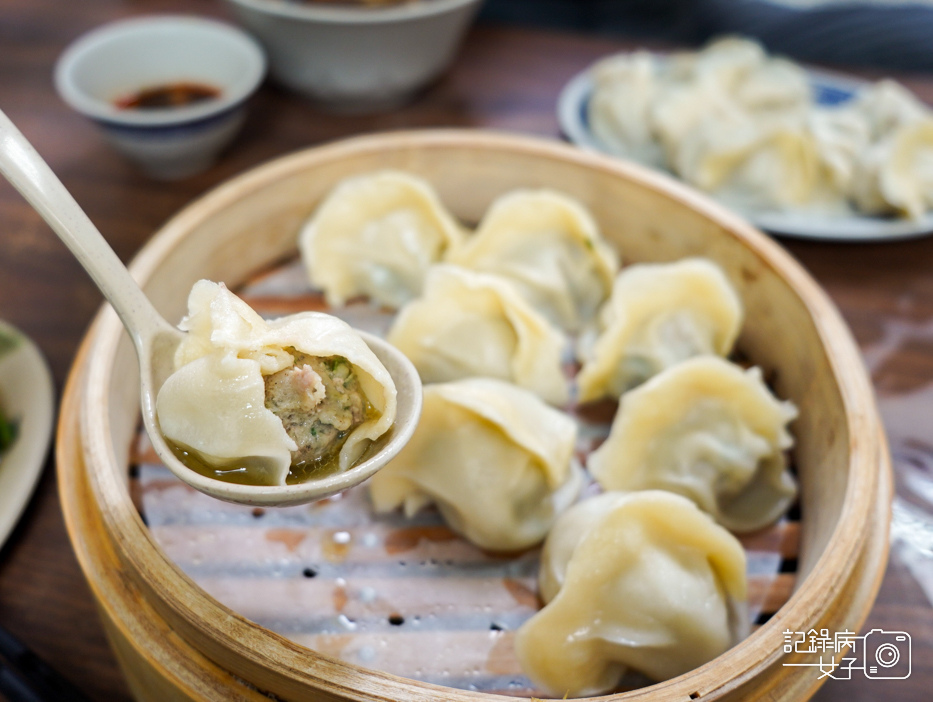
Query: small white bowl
<point>357,58</point>
<point>124,57</point>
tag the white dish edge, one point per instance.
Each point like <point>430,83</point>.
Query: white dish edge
<point>27,394</point>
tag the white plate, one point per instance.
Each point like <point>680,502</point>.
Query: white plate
<point>828,89</point>
<point>27,395</point>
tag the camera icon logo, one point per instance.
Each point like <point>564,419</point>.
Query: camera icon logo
<point>887,654</point>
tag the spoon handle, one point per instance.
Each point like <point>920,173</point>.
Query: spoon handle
<point>31,176</point>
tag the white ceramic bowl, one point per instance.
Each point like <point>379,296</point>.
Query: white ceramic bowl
<point>357,58</point>
<point>127,56</point>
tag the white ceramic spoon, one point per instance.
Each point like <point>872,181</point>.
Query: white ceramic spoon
<point>155,339</point>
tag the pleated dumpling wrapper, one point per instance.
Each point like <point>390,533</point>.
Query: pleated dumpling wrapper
<point>377,235</point>
<point>283,393</point>
<point>659,314</point>
<point>709,430</point>
<point>640,580</point>
<point>475,324</point>
<point>495,459</point>
<point>549,246</point>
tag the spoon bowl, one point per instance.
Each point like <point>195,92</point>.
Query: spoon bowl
<point>155,340</point>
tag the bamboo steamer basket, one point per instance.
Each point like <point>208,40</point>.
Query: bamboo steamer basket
<point>175,642</point>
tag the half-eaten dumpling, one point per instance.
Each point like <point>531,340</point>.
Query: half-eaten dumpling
<point>640,580</point>
<point>550,248</point>
<point>294,396</point>
<point>376,235</point>
<point>659,314</point>
<point>495,459</point>
<point>475,324</point>
<point>708,430</point>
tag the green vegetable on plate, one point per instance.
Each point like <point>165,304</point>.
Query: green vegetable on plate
<point>7,432</point>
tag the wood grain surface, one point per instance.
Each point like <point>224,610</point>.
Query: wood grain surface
<point>505,78</point>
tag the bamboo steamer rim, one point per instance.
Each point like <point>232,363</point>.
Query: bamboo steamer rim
<point>868,476</point>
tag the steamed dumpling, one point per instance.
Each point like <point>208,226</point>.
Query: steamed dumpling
<point>752,164</point>
<point>550,248</point>
<point>896,174</point>
<point>755,80</point>
<point>659,314</point>
<point>302,390</point>
<point>841,137</point>
<point>740,125</point>
<point>728,83</point>
<point>776,86</point>
<point>708,430</point>
<point>887,106</point>
<point>376,235</point>
<point>725,61</point>
<point>624,90</point>
<point>495,459</point>
<point>640,580</point>
<point>683,108</point>
<point>476,324</point>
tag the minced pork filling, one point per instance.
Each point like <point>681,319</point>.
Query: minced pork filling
<point>319,401</point>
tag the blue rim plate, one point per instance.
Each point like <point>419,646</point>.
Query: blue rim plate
<point>828,89</point>
<point>27,395</point>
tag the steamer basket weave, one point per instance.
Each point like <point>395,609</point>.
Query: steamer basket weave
<point>175,642</point>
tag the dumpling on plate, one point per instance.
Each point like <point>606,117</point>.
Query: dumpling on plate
<point>377,235</point>
<point>842,137</point>
<point>754,79</point>
<point>294,395</point>
<point>476,324</point>
<point>724,60</point>
<point>640,580</point>
<point>659,314</point>
<point>683,108</point>
<point>776,86</point>
<point>549,246</point>
<point>707,429</point>
<point>624,90</point>
<point>735,124</point>
<point>896,174</point>
<point>886,106</point>
<point>732,81</point>
<point>759,165</point>
<point>495,459</point>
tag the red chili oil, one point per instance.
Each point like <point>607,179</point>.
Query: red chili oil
<point>179,94</point>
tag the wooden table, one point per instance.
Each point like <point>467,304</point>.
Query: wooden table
<point>505,79</point>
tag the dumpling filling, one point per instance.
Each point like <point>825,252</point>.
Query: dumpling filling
<point>319,401</point>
